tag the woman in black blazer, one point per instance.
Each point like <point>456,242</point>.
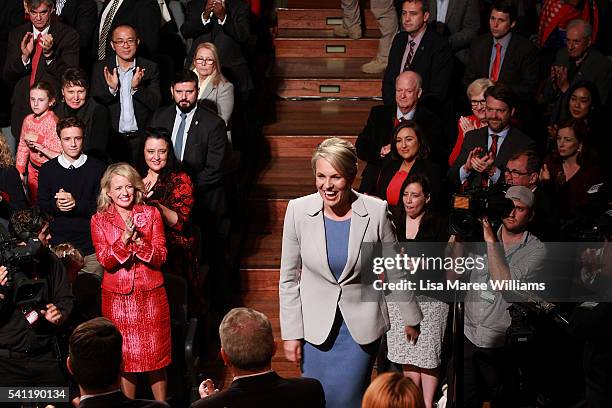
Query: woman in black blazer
<point>409,157</point>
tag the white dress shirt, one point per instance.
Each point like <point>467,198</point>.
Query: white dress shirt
<point>177,123</point>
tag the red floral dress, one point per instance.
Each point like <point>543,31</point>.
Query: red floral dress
<point>175,191</point>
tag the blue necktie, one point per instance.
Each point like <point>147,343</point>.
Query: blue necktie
<point>178,142</point>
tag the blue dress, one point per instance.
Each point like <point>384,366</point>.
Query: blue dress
<point>341,365</point>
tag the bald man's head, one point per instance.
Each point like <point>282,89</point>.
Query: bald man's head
<point>407,90</point>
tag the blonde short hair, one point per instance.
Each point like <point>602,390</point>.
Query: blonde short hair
<point>341,154</point>
<point>392,390</point>
<point>217,76</point>
<point>119,169</point>
<point>478,86</point>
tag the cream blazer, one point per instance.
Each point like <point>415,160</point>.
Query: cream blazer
<point>310,294</point>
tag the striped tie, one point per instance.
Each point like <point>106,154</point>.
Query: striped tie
<point>105,29</point>
<point>408,63</point>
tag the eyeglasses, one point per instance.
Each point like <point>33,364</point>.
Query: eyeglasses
<point>129,41</point>
<point>515,172</point>
<point>207,61</point>
<point>476,102</point>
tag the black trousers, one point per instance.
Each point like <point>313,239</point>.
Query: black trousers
<point>483,375</point>
<point>39,370</point>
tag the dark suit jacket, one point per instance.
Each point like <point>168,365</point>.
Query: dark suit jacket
<point>145,99</point>
<point>65,55</point>
<point>118,400</point>
<point>519,70</point>
<point>433,60</point>
<point>378,132</point>
<point>203,161</point>
<point>595,68</point>
<point>230,39</point>
<point>515,141</point>
<point>11,16</point>
<point>461,23</point>
<point>11,188</point>
<point>421,167</point>
<point>82,15</point>
<point>144,16</point>
<point>267,391</point>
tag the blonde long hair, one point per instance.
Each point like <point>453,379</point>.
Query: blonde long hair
<point>217,76</point>
<point>119,169</point>
<point>6,158</point>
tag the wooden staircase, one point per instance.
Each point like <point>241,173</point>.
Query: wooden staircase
<point>321,93</point>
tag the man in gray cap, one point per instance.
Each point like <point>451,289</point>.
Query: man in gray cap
<point>513,255</point>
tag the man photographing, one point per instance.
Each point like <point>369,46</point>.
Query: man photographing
<point>29,354</point>
<point>513,253</point>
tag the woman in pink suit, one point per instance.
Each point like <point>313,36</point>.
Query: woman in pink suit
<point>130,245</point>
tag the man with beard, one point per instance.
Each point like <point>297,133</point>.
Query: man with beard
<point>128,85</point>
<point>199,141</point>
<point>485,151</point>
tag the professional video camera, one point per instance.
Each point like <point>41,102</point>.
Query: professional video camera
<point>20,288</point>
<point>469,206</point>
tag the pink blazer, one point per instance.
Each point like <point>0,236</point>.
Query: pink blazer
<point>133,266</point>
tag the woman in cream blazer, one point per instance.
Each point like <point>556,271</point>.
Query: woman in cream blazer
<point>325,324</point>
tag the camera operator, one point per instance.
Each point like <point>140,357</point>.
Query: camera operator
<point>486,320</point>
<point>29,354</point>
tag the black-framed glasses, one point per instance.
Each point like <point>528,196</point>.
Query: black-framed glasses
<point>476,102</point>
<point>122,42</point>
<point>515,172</point>
<point>207,61</point>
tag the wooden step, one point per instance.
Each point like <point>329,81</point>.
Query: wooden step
<point>325,77</point>
<point>298,146</point>
<point>255,280</point>
<point>262,251</point>
<point>318,4</point>
<point>318,19</point>
<point>319,117</point>
<point>266,215</point>
<point>322,43</point>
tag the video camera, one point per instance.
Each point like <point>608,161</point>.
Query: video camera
<point>20,288</point>
<point>468,207</point>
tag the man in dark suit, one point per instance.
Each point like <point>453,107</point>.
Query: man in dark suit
<point>374,141</point>
<point>143,15</point>
<point>82,15</point>
<point>576,62</point>
<point>129,86</point>
<point>247,348</point>
<point>458,21</point>
<point>486,151</point>
<point>94,360</point>
<point>225,23</point>
<point>40,50</point>
<point>11,16</point>
<point>523,169</point>
<point>199,139</point>
<point>421,49</point>
<point>505,57</point>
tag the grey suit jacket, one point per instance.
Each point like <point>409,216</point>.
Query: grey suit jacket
<point>309,292</point>
<point>219,98</point>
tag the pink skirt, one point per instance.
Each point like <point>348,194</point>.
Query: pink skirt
<point>143,318</point>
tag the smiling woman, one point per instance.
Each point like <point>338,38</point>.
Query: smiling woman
<point>324,324</point>
<point>77,101</point>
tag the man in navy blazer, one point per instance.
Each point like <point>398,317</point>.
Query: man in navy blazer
<point>247,348</point>
<point>374,141</point>
<point>94,360</point>
<point>60,51</point>
<point>518,65</point>
<point>486,151</point>
<point>432,57</point>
